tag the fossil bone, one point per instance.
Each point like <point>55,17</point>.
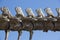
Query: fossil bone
<point>19,12</point>
<point>58,11</point>
<point>30,12</point>
<point>49,12</point>
<point>39,12</point>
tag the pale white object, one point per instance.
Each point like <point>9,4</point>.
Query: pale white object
<point>49,12</point>
<point>39,12</point>
<point>58,11</point>
<point>19,11</point>
<point>6,12</point>
<point>30,12</point>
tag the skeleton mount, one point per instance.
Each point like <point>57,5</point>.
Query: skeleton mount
<point>30,22</point>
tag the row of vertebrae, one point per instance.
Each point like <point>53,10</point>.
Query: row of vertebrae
<point>29,12</point>
<point>30,22</point>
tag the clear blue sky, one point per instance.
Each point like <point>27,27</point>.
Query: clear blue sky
<point>34,4</point>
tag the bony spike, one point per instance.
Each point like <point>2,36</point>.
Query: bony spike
<point>58,11</point>
<point>30,12</point>
<point>39,12</point>
<point>6,12</point>
<point>49,12</point>
<point>19,12</point>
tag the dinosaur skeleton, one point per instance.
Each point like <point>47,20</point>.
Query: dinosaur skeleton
<point>30,22</point>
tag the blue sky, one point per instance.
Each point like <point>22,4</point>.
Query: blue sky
<point>34,4</point>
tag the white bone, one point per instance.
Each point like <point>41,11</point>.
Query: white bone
<point>30,12</point>
<point>19,11</point>
<point>58,11</point>
<point>40,13</point>
<point>6,12</point>
<point>49,12</point>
